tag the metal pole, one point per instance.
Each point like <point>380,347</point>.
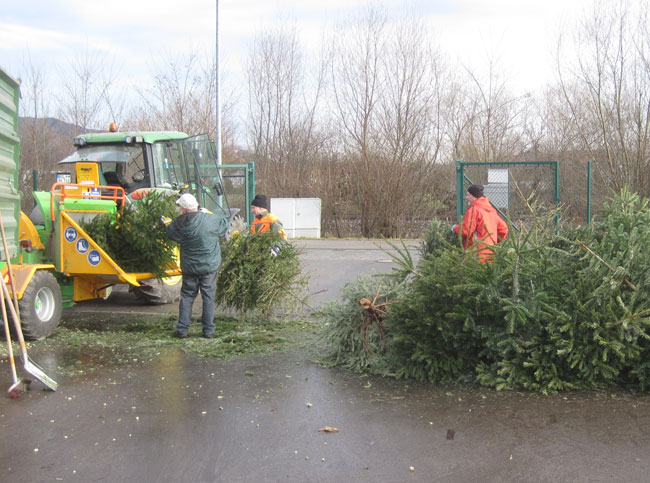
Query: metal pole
<point>460,199</point>
<point>588,192</point>
<point>250,191</point>
<point>218,88</point>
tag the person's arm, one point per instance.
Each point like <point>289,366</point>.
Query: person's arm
<point>469,226</point>
<point>277,227</point>
<point>222,225</point>
<point>172,232</point>
<point>502,229</point>
<point>219,223</point>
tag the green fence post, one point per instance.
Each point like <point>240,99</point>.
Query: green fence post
<point>250,191</point>
<point>460,198</point>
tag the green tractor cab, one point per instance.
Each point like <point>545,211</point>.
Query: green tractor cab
<point>145,160</point>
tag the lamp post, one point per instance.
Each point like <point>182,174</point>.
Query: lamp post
<point>217,142</point>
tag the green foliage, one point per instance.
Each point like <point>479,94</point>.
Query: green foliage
<point>437,238</point>
<point>135,238</point>
<point>250,278</point>
<point>354,338</point>
<point>89,341</point>
<point>555,311</point>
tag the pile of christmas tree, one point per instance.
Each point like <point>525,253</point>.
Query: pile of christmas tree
<point>134,237</point>
<point>558,309</point>
<point>258,272</point>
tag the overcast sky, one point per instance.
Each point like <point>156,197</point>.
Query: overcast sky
<point>518,32</point>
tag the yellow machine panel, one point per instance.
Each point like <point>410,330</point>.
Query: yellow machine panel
<point>80,255</point>
<point>87,173</point>
<point>22,275</point>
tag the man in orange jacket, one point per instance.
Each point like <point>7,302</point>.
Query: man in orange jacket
<point>482,222</point>
<point>265,221</point>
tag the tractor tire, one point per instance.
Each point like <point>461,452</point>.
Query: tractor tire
<point>157,292</point>
<point>40,306</point>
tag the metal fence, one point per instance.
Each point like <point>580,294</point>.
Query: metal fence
<point>511,187</point>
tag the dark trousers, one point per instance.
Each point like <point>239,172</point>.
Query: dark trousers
<point>192,284</point>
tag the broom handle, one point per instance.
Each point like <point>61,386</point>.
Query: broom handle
<point>10,350</point>
<point>9,268</point>
<point>12,308</point>
<point>19,330</point>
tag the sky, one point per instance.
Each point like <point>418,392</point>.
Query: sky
<point>519,33</point>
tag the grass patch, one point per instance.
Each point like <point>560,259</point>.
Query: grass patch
<point>110,339</point>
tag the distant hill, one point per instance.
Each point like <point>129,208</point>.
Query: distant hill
<point>56,126</point>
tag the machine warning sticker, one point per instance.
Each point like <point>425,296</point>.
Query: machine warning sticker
<point>70,234</point>
<point>82,245</point>
<point>94,258</point>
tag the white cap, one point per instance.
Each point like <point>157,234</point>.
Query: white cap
<point>188,202</point>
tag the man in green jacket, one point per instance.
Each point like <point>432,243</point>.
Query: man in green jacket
<point>197,232</point>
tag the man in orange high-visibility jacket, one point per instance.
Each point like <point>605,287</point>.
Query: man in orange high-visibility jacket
<point>481,221</point>
<point>265,221</point>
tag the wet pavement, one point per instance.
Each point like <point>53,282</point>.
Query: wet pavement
<point>329,265</point>
<point>177,417</point>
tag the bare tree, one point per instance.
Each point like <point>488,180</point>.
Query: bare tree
<point>88,100</point>
<point>283,131</point>
<point>42,146</point>
<point>388,92</point>
<point>182,97</point>
<point>606,86</point>
<point>490,125</point>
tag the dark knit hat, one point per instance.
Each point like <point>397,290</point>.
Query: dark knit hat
<point>476,190</point>
<point>260,201</point>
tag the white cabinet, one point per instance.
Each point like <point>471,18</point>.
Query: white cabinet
<point>299,216</point>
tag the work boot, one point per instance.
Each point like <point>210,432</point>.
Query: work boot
<point>208,335</point>
<point>180,335</point>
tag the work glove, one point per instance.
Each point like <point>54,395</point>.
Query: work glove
<point>275,250</point>
<point>453,228</point>
<point>166,221</point>
<point>204,210</point>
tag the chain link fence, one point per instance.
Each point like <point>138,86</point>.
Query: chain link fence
<point>512,187</point>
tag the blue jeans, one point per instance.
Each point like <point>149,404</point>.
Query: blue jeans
<point>207,284</point>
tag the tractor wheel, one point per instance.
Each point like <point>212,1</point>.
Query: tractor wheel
<point>40,306</point>
<point>158,292</point>
<point>236,225</point>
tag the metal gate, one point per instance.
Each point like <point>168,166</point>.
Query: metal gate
<point>239,184</point>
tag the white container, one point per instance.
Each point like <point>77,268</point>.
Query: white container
<point>300,216</point>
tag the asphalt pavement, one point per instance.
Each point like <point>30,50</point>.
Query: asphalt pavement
<point>284,418</point>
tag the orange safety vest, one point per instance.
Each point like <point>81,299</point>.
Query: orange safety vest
<point>266,223</point>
